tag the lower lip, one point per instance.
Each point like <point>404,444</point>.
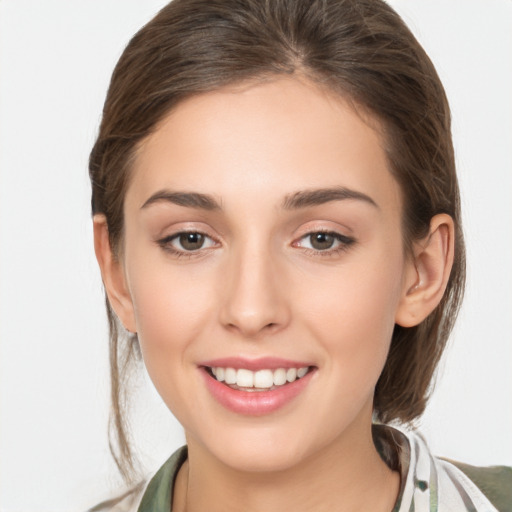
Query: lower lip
<point>255,403</point>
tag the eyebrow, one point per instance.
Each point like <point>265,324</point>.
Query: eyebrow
<point>295,201</point>
<point>305,198</point>
<point>188,199</point>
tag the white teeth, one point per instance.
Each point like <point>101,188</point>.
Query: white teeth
<point>244,378</point>
<point>230,375</point>
<point>261,379</point>
<point>291,374</point>
<point>302,371</point>
<point>279,377</point>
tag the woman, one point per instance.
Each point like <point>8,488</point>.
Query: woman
<point>277,222</point>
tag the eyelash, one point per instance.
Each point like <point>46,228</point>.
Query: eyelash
<point>344,243</point>
<point>166,244</point>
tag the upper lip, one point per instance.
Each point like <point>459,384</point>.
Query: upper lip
<point>261,363</point>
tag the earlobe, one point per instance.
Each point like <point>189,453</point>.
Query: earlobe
<point>113,275</point>
<point>428,272</point>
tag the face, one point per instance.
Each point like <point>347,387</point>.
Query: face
<point>263,244</point>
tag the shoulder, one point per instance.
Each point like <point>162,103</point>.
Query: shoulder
<point>126,502</point>
<point>495,482</point>
<point>437,484</point>
<point>152,494</point>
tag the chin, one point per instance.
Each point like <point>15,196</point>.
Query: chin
<point>252,458</point>
<point>255,449</point>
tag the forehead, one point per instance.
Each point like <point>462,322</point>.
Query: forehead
<point>263,140</point>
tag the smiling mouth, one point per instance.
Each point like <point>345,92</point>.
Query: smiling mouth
<point>243,379</point>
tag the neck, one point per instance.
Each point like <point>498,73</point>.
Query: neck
<point>347,475</point>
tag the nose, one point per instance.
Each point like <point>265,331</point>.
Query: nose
<point>253,294</point>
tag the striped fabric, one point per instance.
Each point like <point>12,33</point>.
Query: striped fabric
<point>430,484</point>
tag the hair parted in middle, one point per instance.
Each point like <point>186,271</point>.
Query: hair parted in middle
<point>358,49</point>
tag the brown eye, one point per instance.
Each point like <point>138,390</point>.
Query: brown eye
<point>324,242</point>
<point>321,241</point>
<point>191,241</point>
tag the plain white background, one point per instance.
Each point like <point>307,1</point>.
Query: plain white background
<point>55,61</point>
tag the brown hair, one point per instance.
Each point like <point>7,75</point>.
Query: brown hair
<point>360,49</point>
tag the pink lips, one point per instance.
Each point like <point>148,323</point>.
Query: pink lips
<point>256,403</point>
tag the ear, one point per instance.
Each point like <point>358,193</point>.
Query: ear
<point>427,274</point>
<point>112,273</point>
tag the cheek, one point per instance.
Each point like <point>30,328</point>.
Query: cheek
<point>352,312</point>
<point>171,312</point>
<point>171,309</point>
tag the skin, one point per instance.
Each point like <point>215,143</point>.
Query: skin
<point>258,287</point>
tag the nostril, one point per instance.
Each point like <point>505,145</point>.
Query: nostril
<point>253,330</point>
<point>270,327</point>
